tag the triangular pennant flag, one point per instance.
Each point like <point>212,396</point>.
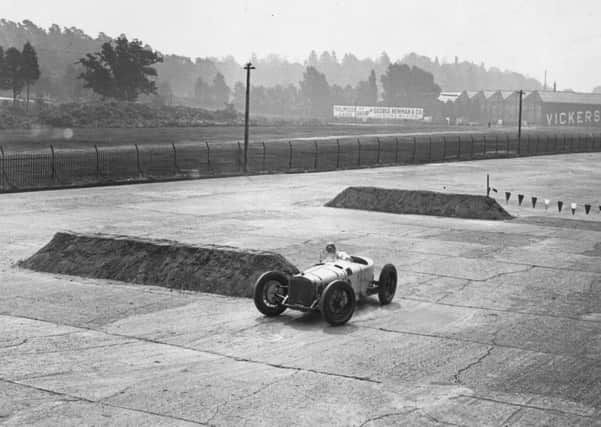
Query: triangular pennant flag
<point>573,207</point>
<point>547,201</point>
<point>508,195</point>
<point>520,199</point>
<point>587,208</point>
<point>559,205</point>
<point>534,199</point>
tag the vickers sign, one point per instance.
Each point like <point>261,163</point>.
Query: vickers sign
<point>580,117</point>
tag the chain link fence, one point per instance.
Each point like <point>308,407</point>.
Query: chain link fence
<point>58,168</point>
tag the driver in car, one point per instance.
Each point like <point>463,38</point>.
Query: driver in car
<point>332,254</point>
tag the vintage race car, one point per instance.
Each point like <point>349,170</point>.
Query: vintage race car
<point>331,287</point>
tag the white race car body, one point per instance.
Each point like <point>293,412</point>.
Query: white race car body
<point>306,287</point>
<point>332,287</point>
<point>358,271</point>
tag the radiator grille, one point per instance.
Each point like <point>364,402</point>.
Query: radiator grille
<point>301,291</point>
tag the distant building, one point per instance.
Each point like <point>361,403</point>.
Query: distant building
<point>462,107</point>
<point>477,110</point>
<point>511,106</point>
<point>548,108</point>
<point>445,97</point>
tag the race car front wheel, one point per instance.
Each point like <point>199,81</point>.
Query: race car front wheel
<point>269,293</point>
<point>337,303</point>
<point>387,284</point>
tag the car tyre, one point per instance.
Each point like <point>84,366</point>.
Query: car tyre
<point>337,303</point>
<point>387,284</point>
<point>269,293</point>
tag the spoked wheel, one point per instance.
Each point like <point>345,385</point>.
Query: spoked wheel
<point>387,284</point>
<point>337,303</point>
<point>270,291</point>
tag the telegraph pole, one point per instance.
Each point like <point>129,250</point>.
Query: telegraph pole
<point>521,92</point>
<point>247,67</point>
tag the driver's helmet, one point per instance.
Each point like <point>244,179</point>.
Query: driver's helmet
<point>331,248</point>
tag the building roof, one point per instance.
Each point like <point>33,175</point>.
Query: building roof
<point>489,93</point>
<point>448,96</point>
<point>569,97</point>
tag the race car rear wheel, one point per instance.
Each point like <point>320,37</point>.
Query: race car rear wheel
<point>337,303</point>
<point>387,284</point>
<point>269,293</point>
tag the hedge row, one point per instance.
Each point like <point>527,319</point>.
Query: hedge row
<point>111,114</point>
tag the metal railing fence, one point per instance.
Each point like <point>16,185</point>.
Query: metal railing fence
<point>94,165</point>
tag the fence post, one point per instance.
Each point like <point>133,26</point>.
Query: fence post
<point>239,157</point>
<point>444,148</point>
<point>315,161</point>
<point>485,146</point>
<point>414,149</point>
<point>290,155</point>
<point>396,150</point>
<point>472,147</point>
<point>337,154</point>
<point>138,165</point>
<point>459,147</point>
<point>264,155</point>
<point>555,143</point>
<point>53,166</point>
<point>508,143</point>
<point>358,152</point>
<point>97,161</point>
<point>430,149</point>
<point>536,147</point>
<point>3,172</point>
<point>589,144</point>
<point>208,156</point>
<point>379,146</point>
<point>175,168</point>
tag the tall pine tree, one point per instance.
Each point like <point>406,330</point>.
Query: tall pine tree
<point>3,77</point>
<point>13,62</point>
<point>30,69</point>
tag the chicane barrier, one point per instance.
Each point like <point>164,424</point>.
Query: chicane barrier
<point>57,168</point>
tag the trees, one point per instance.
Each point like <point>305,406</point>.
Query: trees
<point>201,91</point>
<point>220,91</point>
<point>315,91</point>
<point>12,72</point>
<point>367,91</point>
<point>18,69</point>
<point>3,77</point>
<point>405,86</point>
<point>30,69</point>
<point>216,95</point>
<point>122,72</point>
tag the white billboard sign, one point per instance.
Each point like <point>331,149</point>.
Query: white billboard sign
<point>377,113</point>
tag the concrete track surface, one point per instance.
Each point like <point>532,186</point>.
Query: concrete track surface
<point>494,323</point>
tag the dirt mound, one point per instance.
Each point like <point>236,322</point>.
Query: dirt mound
<point>216,269</point>
<point>419,203</point>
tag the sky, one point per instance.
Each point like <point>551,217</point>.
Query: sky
<point>562,37</point>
